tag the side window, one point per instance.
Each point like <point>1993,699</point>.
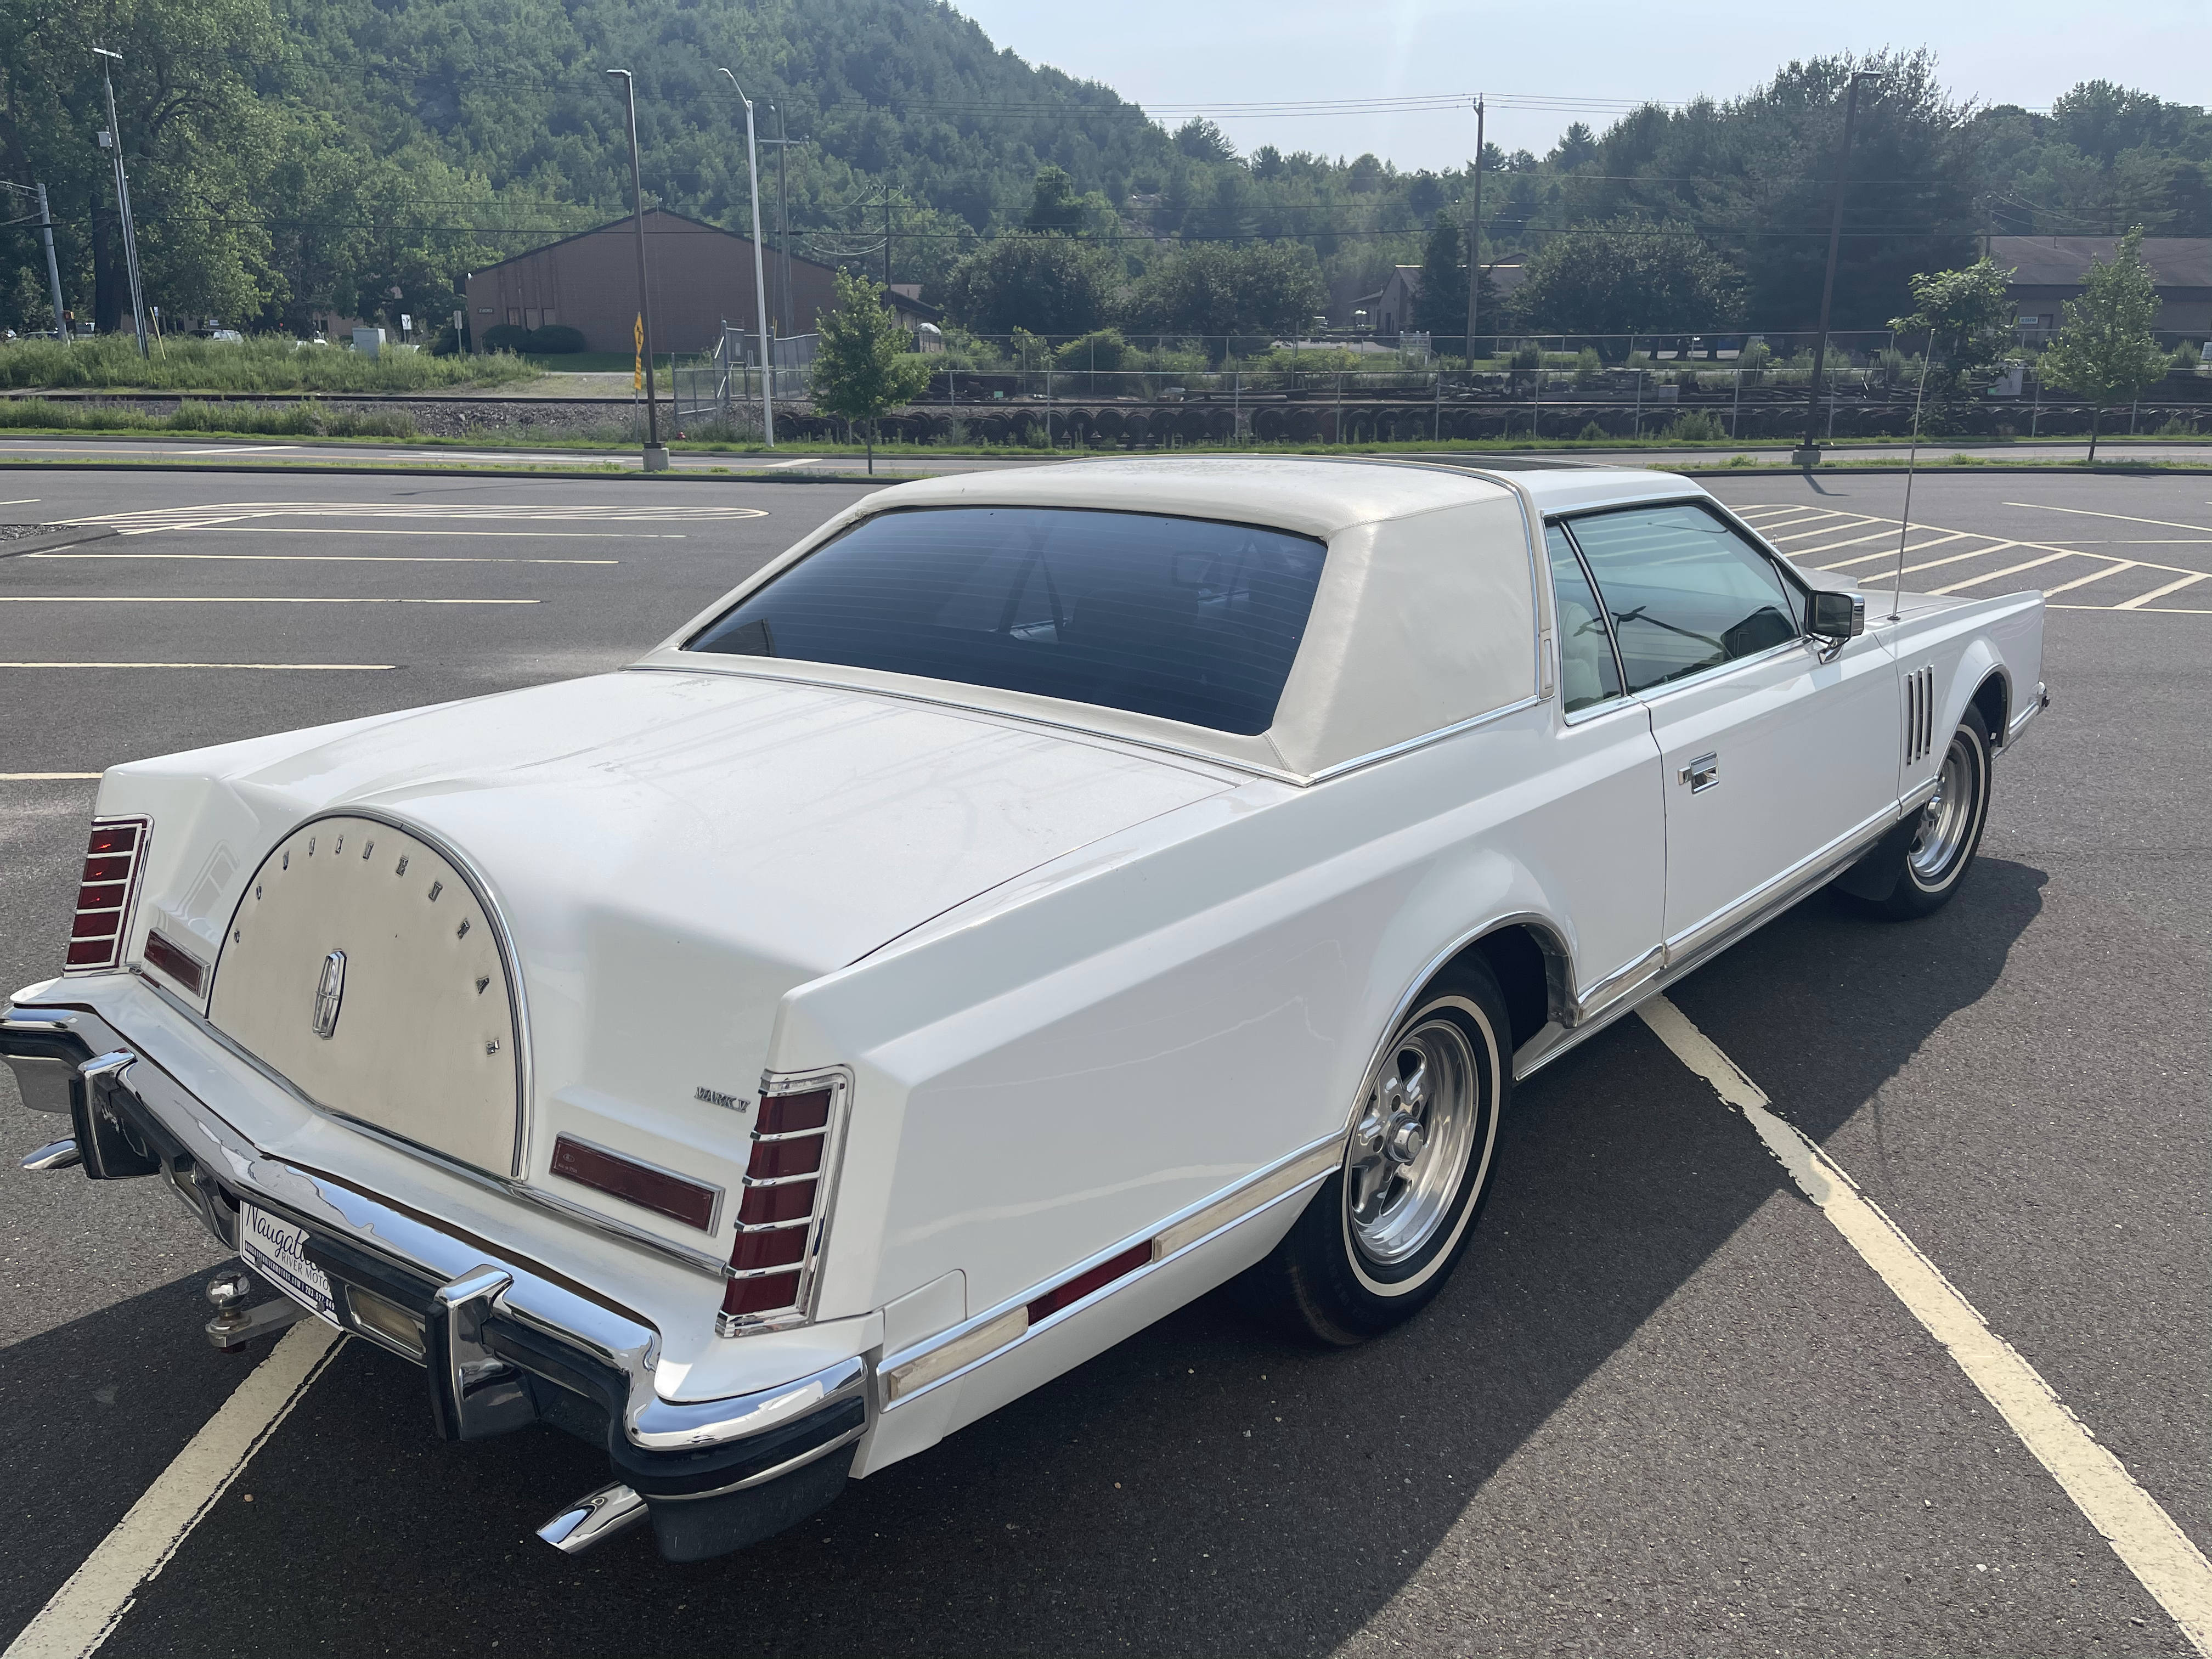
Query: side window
<point>1685,591</point>
<point>1588,673</point>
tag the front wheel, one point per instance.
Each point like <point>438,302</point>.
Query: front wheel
<point>1920,864</point>
<point>1379,1239</point>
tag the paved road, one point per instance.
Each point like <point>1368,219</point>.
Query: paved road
<point>1664,1408</point>
<point>907,459</point>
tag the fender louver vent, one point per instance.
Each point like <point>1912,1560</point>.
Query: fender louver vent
<point>111,861</point>
<point>1919,714</point>
<point>780,1216</point>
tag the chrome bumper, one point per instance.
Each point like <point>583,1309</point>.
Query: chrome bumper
<point>505,1343</point>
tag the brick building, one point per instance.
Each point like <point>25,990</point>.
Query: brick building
<point>700,275</point>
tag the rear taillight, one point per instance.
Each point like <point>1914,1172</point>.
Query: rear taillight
<point>112,858</point>
<point>779,1215</point>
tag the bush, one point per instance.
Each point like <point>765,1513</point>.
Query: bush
<point>2187,357</point>
<point>1593,433</point>
<point>1588,367</point>
<point>1753,362</point>
<point>1101,349</point>
<point>552,339</point>
<point>1695,427</point>
<point>507,336</point>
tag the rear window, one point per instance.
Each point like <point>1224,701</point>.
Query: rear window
<point>1183,618</point>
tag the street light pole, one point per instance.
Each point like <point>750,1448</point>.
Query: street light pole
<point>656,457</point>
<point>1809,452</point>
<point>123,197</point>
<point>760,284</point>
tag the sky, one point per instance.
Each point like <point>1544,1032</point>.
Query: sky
<point>1178,57</point>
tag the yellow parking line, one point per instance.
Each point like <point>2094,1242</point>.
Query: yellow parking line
<point>44,777</point>
<point>2009,570</point>
<point>2125,518</point>
<point>2113,570</point>
<point>321,558</point>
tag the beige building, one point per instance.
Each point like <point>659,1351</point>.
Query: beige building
<point>2049,270</point>
<point>700,277</point>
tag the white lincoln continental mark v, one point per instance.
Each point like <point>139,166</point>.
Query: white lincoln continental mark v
<point>1033,900</point>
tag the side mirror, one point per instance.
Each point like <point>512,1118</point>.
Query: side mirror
<point>1836,617</point>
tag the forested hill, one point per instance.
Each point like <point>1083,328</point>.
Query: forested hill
<point>296,157</point>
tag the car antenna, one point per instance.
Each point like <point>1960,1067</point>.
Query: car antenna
<point>1911,460</point>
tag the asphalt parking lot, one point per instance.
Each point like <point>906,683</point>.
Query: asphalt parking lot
<point>1664,1407</point>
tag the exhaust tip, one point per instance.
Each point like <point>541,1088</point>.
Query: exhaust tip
<point>56,1155</point>
<point>593,1517</point>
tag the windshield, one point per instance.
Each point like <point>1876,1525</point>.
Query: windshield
<point>1184,618</point>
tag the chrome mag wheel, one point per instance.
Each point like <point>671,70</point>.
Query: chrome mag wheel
<point>1411,1146</point>
<point>1947,820</point>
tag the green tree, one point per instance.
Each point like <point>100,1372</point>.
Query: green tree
<point>1441,306</point>
<point>1218,291</point>
<point>1054,203</point>
<point>1628,277</point>
<point>1966,318</point>
<point>1049,284</point>
<point>2105,350</point>
<point>864,365</point>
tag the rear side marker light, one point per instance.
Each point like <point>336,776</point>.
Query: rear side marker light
<point>114,856</point>
<point>1072,1291</point>
<point>661,1191</point>
<point>178,963</point>
<point>780,1216</point>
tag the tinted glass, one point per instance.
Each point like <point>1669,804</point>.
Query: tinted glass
<point>1180,617</point>
<point>1588,673</point>
<point>1685,591</point>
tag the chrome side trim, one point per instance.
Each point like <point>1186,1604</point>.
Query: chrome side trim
<point>1741,914</point>
<point>1540,1051</point>
<point>670,1425</point>
<point>913,1371</point>
<point>811,1455</point>
<point>1421,742</point>
<point>1615,985</point>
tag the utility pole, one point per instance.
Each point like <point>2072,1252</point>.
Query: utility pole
<point>783,217</point>
<point>656,457</point>
<point>760,284</point>
<point>1808,453</point>
<point>1474,241</point>
<point>114,135</point>
<point>53,268</point>
<point>887,243</point>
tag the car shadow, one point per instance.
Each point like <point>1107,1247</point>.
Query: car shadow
<point>1205,1487</point>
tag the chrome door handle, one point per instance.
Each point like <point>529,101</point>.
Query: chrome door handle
<point>1703,773</point>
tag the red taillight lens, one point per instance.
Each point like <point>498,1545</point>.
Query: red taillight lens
<point>770,1265</point>
<point>762,1205</point>
<point>772,1160</point>
<point>640,1184</point>
<point>770,1294</point>
<point>103,895</point>
<point>783,1247</point>
<point>785,1115</point>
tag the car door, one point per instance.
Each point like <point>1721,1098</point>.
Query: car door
<point>1607,839</point>
<point>1772,756</point>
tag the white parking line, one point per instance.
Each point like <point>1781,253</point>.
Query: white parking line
<point>305,667</point>
<point>334,529</point>
<point>323,558</point>
<point>2124,518</point>
<point>2142,600</point>
<point>214,598</point>
<point>85,1611</point>
<point>2010,570</point>
<point>2157,1551</point>
<point>2113,570</point>
<point>21,501</point>
<point>44,777</point>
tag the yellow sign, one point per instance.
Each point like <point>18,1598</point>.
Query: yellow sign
<point>637,369</point>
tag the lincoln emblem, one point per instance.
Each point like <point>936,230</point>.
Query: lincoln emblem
<point>328,991</point>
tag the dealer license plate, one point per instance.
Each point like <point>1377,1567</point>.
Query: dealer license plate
<point>277,1251</point>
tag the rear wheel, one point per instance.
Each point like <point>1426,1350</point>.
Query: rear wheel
<point>1379,1239</point>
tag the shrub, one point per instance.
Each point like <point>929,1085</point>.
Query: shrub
<point>553,338</point>
<point>2187,357</point>
<point>1695,427</point>
<point>1753,362</point>
<point>1588,366</point>
<point>506,337</point>
<point>1593,433</point>
<point>1102,348</point>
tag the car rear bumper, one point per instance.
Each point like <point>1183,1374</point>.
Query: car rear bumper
<point>504,1341</point>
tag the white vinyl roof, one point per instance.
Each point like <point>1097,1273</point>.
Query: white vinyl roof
<point>1426,616</point>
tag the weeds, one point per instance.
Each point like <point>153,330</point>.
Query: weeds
<point>265,364</point>
<point>256,420</point>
